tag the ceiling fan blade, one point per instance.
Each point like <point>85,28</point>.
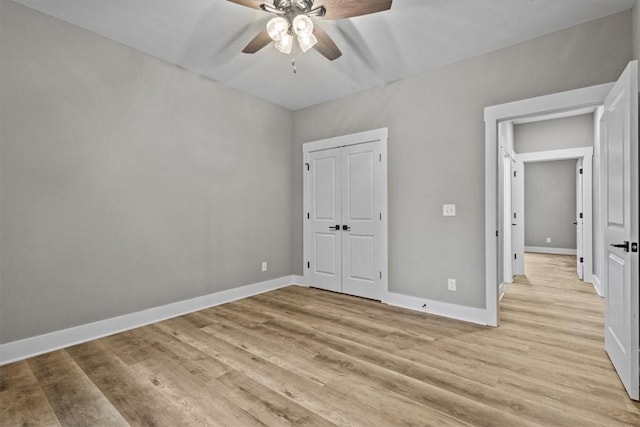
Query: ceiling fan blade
<point>325,44</point>
<point>253,4</point>
<point>340,9</point>
<point>258,42</point>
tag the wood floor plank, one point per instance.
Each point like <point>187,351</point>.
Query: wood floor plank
<point>265,404</point>
<point>22,401</point>
<point>203,404</point>
<point>15,374</point>
<point>75,400</point>
<point>136,400</point>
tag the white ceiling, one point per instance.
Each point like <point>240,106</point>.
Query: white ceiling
<point>207,36</point>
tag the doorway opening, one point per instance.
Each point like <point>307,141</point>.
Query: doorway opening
<point>546,190</point>
<point>499,122</point>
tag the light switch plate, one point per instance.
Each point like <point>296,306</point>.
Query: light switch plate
<point>448,210</point>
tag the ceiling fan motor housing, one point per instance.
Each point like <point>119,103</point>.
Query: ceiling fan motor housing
<point>284,5</point>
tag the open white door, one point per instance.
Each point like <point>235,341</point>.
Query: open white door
<point>619,168</point>
<point>517,217</point>
<point>579,220</point>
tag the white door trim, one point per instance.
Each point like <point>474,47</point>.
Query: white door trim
<point>566,154</point>
<point>376,135</point>
<point>548,104</point>
<point>598,261</point>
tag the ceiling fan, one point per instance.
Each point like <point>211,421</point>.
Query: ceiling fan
<point>293,21</point>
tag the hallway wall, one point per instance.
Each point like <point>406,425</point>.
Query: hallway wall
<point>550,204</point>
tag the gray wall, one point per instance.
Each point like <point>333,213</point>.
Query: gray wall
<point>550,204</point>
<point>436,147</point>
<point>568,132</point>
<point>126,182</point>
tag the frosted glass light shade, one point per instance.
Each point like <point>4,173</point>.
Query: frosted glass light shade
<point>307,42</point>
<point>302,26</point>
<point>285,43</point>
<point>277,27</point>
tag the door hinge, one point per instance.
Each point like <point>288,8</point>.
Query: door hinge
<point>581,259</point>
<point>308,264</point>
<point>580,171</point>
<point>580,215</point>
<point>307,165</point>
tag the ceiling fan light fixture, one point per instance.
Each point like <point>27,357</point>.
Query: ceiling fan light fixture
<point>303,26</point>
<point>307,42</point>
<point>285,43</point>
<point>277,28</point>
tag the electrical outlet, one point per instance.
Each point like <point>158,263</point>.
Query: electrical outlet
<point>548,239</point>
<point>448,210</point>
<point>264,266</point>
<point>451,283</point>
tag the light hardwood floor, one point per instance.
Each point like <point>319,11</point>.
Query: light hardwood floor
<point>301,356</point>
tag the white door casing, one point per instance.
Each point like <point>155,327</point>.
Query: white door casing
<point>619,169</point>
<point>579,220</point>
<point>357,188</point>
<point>505,155</point>
<point>551,106</point>
<point>598,208</point>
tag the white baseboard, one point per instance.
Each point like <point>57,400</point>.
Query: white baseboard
<point>453,311</point>
<point>28,347</point>
<point>555,251</point>
<point>598,286</point>
<point>503,289</point>
<point>298,280</point>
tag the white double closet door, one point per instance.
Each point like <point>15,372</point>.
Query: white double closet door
<point>345,229</point>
